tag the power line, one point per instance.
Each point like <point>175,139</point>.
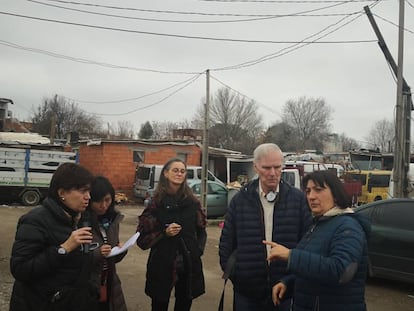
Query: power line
<point>290,1</point>
<point>258,18</point>
<point>172,35</point>
<point>241,94</point>
<point>182,12</point>
<point>84,60</point>
<point>293,47</point>
<point>153,104</point>
<point>130,99</point>
<point>392,23</point>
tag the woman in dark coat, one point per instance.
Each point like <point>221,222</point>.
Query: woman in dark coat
<point>48,258</point>
<point>173,226</point>
<point>105,220</point>
<point>331,261</point>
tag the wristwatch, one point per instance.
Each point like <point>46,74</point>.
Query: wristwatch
<point>61,251</point>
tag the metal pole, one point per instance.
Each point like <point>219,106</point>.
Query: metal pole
<point>204,161</point>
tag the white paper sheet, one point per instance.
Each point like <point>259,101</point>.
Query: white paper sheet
<point>118,250</point>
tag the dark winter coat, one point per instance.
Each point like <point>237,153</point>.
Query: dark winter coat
<point>190,242</point>
<point>244,230</point>
<point>38,269</point>
<point>330,264</point>
<point>115,294</point>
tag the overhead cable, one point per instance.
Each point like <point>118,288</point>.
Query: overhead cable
<point>152,104</point>
<point>172,35</point>
<point>257,18</point>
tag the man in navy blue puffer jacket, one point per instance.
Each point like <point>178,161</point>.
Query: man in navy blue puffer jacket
<point>266,208</point>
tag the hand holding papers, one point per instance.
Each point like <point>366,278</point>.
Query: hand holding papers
<point>118,250</point>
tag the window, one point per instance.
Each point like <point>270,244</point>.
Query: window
<point>379,180</point>
<point>197,189</point>
<point>138,156</point>
<point>143,173</point>
<point>397,215</point>
<point>190,174</point>
<point>216,188</point>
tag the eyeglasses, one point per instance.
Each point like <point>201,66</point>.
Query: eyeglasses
<point>177,170</point>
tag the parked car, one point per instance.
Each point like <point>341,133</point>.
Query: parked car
<point>390,244</point>
<point>216,196</point>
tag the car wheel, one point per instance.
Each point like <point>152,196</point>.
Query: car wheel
<point>30,198</point>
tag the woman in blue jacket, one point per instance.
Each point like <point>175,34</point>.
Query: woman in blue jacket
<point>330,262</point>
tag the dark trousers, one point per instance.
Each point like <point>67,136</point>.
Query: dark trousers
<point>243,303</point>
<point>182,302</point>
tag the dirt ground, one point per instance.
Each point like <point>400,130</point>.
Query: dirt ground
<point>381,295</point>
<point>131,270</point>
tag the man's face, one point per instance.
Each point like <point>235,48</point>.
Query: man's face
<point>269,168</point>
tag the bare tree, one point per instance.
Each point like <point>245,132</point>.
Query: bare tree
<point>164,130</point>
<point>125,129</point>
<point>234,121</point>
<point>310,117</point>
<point>282,134</point>
<point>348,143</point>
<point>69,118</point>
<point>382,135</point>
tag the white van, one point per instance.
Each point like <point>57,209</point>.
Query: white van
<point>147,177</point>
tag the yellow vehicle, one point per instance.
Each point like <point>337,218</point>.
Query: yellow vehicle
<point>374,184</point>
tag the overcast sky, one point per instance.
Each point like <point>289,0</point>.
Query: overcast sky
<point>102,53</point>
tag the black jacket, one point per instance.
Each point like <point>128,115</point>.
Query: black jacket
<point>190,242</point>
<point>38,269</point>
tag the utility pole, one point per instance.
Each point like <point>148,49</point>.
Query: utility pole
<point>400,164</point>
<point>204,170</point>
<point>403,107</point>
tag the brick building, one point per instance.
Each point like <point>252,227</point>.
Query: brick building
<point>118,159</point>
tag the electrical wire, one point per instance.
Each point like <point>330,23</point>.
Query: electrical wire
<point>152,104</point>
<point>392,23</point>
<point>180,12</point>
<point>131,99</point>
<point>258,18</point>
<point>86,61</point>
<point>289,1</point>
<point>293,47</point>
<point>169,35</point>
<point>243,95</point>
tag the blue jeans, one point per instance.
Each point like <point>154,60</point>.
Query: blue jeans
<point>243,303</point>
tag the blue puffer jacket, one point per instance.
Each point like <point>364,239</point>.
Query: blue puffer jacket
<point>244,230</point>
<point>330,263</point>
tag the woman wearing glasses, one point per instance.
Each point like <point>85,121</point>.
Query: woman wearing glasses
<point>173,227</point>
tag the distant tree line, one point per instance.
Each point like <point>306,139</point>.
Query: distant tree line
<point>234,123</point>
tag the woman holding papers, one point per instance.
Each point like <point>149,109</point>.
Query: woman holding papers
<point>104,220</point>
<point>173,227</point>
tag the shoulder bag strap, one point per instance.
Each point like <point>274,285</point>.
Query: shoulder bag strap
<point>231,262</point>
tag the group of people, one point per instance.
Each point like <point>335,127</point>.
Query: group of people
<point>286,249</point>
<point>60,254</point>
